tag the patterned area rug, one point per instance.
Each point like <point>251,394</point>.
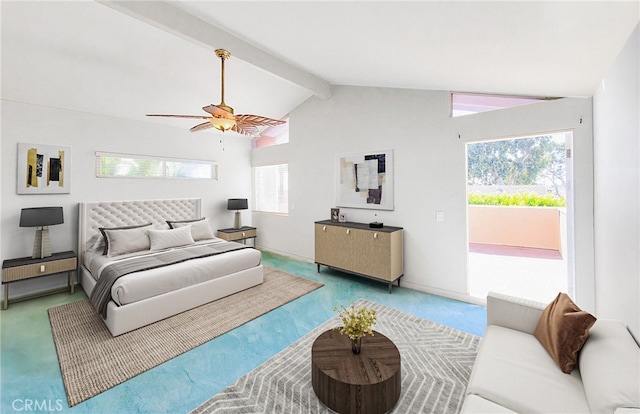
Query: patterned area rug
<point>92,361</point>
<point>436,365</point>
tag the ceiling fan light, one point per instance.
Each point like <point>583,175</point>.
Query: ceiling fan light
<point>223,124</point>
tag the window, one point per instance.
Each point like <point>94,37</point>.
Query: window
<point>271,188</point>
<point>469,103</point>
<point>112,165</point>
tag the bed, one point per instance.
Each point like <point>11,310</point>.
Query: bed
<point>154,293</point>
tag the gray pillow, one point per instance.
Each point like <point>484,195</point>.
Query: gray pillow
<point>122,240</point>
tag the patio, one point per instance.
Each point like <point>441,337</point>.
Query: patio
<point>536,274</point>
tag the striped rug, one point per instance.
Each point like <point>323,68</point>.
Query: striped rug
<point>436,365</point>
<point>92,361</point>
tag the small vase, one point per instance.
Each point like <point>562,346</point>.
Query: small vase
<point>356,345</point>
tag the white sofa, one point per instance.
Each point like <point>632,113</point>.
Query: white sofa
<point>513,373</point>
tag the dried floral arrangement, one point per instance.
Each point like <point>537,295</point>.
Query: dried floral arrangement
<point>356,322</point>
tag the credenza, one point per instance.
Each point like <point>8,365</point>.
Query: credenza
<point>359,249</point>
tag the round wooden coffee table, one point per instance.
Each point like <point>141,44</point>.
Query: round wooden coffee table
<point>348,383</point>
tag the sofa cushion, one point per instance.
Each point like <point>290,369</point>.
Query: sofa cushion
<point>474,404</point>
<point>513,312</point>
<point>562,330</point>
<point>513,370</point>
<point>610,367</point>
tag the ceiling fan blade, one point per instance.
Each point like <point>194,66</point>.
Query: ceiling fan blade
<point>218,111</point>
<point>246,129</point>
<point>181,116</point>
<point>202,126</point>
<point>257,120</point>
<point>248,124</point>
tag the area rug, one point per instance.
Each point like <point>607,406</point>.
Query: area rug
<point>92,361</point>
<point>436,365</point>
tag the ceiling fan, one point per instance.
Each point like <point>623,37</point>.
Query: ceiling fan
<point>221,116</point>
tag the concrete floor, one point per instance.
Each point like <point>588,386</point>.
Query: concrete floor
<point>30,372</point>
<point>534,274</point>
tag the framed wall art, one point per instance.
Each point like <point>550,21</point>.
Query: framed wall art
<point>365,180</point>
<point>335,212</point>
<point>43,169</point>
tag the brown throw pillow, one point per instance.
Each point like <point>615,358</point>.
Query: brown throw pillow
<point>562,330</point>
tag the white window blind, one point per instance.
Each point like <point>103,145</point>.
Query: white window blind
<point>271,188</point>
<point>114,165</point>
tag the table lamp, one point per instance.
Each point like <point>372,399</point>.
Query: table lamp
<point>41,217</point>
<point>237,204</point>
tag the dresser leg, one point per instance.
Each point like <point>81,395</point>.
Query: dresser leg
<point>6,296</point>
<point>318,267</point>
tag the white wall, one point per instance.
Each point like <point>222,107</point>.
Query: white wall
<point>87,133</point>
<point>617,188</point>
<point>429,173</point>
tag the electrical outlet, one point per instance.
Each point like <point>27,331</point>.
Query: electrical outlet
<point>439,215</point>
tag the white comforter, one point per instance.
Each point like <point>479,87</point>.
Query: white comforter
<point>148,283</point>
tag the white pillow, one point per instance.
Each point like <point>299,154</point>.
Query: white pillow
<point>96,242</point>
<point>122,241</point>
<point>200,228</point>
<point>164,239</point>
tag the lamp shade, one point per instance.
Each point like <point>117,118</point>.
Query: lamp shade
<point>41,216</point>
<point>237,204</point>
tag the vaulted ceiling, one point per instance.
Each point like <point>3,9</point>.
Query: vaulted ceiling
<point>126,59</point>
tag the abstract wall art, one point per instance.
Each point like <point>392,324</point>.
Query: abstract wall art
<point>43,169</point>
<point>365,180</point>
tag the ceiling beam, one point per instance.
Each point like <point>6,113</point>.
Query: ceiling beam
<point>180,23</point>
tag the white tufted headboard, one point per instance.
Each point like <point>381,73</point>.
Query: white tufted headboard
<point>94,215</point>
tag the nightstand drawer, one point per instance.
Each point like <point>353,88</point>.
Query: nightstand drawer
<point>237,235</point>
<point>12,274</point>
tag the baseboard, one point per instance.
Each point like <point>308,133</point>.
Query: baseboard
<point>284,254</point>
<point>445,293</point>
<point>421,288</point>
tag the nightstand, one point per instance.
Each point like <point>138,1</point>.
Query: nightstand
<point>243,233</point>
<point>14,270</point>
